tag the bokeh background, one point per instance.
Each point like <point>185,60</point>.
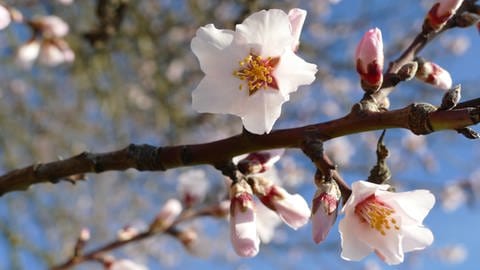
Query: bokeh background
<point>131,82</point>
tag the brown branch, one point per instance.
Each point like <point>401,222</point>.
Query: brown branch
<point>98,253</point>
<point>152,158</point>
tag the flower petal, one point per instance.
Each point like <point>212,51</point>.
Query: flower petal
<point>416,237</point>
<point>388,246</point>
<point>415,204</point>
<point>216,95</point>
<point>322,222</point>
<point>352,248</point>
<point>207,44</point>
<point>293,210</point>
<point>262,110</point>
<point>297,19</point>
<point>243,233</point>
<point>360,191</point>
<point>293,71</point>
<point>270,29</point>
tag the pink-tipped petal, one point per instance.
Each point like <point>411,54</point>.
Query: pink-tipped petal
<point>297,19</point>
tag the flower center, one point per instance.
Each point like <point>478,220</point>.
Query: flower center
<point>377,214</point>
<point>257,72</point>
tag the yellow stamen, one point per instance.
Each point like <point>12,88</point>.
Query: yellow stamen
<point>257,72</point>
<point>377,214</point>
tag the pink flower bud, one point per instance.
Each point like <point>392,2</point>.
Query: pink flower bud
<point>243,231</point>
<point>292,209</point>
<point>297,19</point>
<point>324,209</point>
<point>369,60</point>
<point>167,215</point>
<point>433,74</point>
<point>257,162</point>
<point>441,12</point>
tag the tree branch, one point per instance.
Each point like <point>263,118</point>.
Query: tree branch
<point>152,158</point>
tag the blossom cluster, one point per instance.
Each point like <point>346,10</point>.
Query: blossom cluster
<point>47,43</point>
<point>250,72</point>
<point>292,209</point>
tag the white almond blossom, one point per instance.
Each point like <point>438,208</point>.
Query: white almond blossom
<point>384,222</point>
<point>250,72</point>
<point>5,17</point>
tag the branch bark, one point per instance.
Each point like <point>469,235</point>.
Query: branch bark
<point>153,158</point>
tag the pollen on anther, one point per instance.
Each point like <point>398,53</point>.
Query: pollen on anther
<point>376,214</point>
<point>257,73</point>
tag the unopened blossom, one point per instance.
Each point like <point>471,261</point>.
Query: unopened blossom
<point>127,233</point>
<point>441,12</point>
<point>125,264</point>
<point>27,53</point>
<point>192,186</point>
<point>257,162</point>
<point>387,223</point>
<point>5,17</point>
<point>433,74</point>
<point>369,60</point>
<point>250,72</point>
<point>167,215</point>
<point>292,209</point>
<point>55,52</point>
<point>324,209</point>
<point>243,232</point>
<point>50,26</point>
<point>84,235</point>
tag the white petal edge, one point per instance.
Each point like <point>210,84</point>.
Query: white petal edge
<point>389,245</point>
<point>416,238</point>
<point>352,248</point>
<point>262,110</point>
<point>416,204</point>
<point>269,29</point>
<point>214,95</point>
<point>207,44</point>
<point>292,72</point>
